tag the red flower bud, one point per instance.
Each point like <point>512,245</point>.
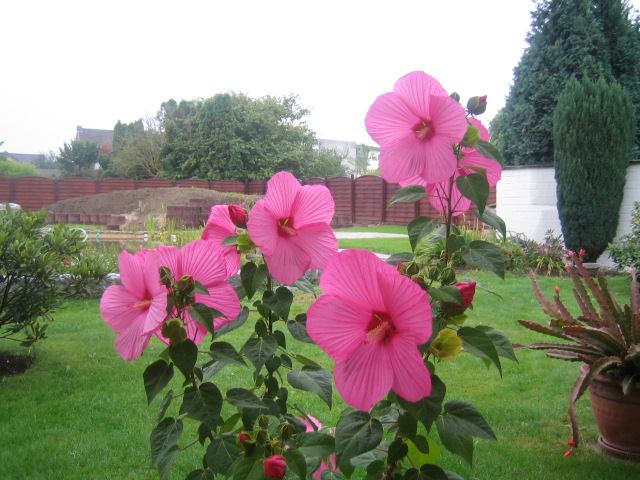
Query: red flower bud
<point>570,253</point>
<point>582,252</point>
<point>571,443</point>
<point>468,290</point>
<point>568,453</point>
<point>275,466</point>
<point>482,99</point>
<point>238,216</point>
<point>243,437</point>
<point>557,289</point>
<point>399,266</point>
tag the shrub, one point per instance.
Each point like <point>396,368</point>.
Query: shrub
<point>37,270</point>
<point>626,251</point>
<point>522,255</point>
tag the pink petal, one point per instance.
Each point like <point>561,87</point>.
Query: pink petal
<point>411,379</point>
<point>132,272</point>
<point>390,120</point>
<point>219,217</point>
<point>437,198</point>
<point>288,262</point>
<point>116,307</point>
<point>352,275</point>
<point>440,163</point>
<point>319,241</point>
<point>484,133</point>
<point>131,343</point>
<point>223,298</point>
<point>416,90</point>
<point>204,261</point>
<point>167,256</point>
<point>282,189</point>
<point>449,119</point>
<point>365,377</point>
<point>408,306</point>
<point>474,159</point>
<point>337,326</point>
<point>413,157</point>
<point>263,228</point>
<point>313,204</point>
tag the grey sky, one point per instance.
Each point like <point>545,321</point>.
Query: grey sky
<point>69,63</point>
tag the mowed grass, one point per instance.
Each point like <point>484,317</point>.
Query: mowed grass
<point>80,411</point>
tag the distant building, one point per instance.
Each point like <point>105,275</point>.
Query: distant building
<point>353,155</point>
<point>22,157</point>
<point>104,138</point>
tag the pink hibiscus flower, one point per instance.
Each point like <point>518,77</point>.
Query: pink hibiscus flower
<point>416,126</point>
<point>291,227</point>
<point>371,319</point>
<point>205,262</point>
<point>137,308</point>
<point>220,226</point>
<point>439,192</point>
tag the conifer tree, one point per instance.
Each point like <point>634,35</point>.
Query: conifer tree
<point>593,134</point>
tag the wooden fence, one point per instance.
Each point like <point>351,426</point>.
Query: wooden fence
<point>361,200</point>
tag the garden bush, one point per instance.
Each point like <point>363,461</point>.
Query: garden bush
<point>626,251</point>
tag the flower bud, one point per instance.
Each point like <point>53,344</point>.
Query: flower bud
<point>244,244</point>
<point>468,291</point>
<point>568,453</point>
<point>446,345</point>
<point>165,276</point>
<point>582,252</point>
<point>471,137</point>
<point>477,105</point>
<point>275,466</point>
<point>174,330</point>
<point>556,289</point>
<point>286,430</point>
<point>238,216</point>
<point>571,443</point>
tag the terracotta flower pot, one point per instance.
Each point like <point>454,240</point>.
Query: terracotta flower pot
<point>617,416</point>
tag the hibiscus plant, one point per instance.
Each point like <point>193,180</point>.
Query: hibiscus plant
<point>386,325</point>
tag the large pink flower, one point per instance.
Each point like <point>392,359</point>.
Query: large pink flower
<point>416,126</point>
<point>291,227</point>
<point>219,227</point>
<point>439,192</point>
<point>371,319</point>
<point>204,261</point>
<point>137,308</point>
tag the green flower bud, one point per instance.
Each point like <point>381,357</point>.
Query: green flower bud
<point>174,330</point>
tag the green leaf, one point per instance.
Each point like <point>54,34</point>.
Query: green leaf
<point>164,406</point>
<point>164,438</point>
<point>295,462</point>
<point>330,475</point>
<point>461,445</point>
<point>312,379</point>
<point>465,419</point>
<point>426,472</point>
<point>447,294</point>
<point>479,344</point>
<point>306,361</point>
<point>305,285</point>
<point>201,475</point>
<point>200,288</point>
<point>397,451</point>
<point>418,228</point>
<point>492,220</point>
<point>476,188</point>
<point>455,243</point>
<point>316,444</point>
<point>204,314</point>
<point>230,240</point>
<point>408,425</point>
<point>279,302</point>
<point>165,464</point>
<point>226,353</point>
<point>484,255</point>
<point>298,328</point>
<point>249,468</point>
<point>488,150</point>
<point>203,403</point>
<point>410,193</point>
<point>156,376</point>
<point>503,345</point>
<point>418,457</point>
<point>259,349</point>
<point>184,355</point>
<point>356,433</point>
<point>252,277</point>
<point>427,409</point>
<point>221,453</point>
<point>237,323</point>
<point>404,257</point>
<point>240,397</point>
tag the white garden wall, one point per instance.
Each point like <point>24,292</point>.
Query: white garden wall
<point>526,200</point>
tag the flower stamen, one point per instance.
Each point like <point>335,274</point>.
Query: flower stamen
<point>424,130</point>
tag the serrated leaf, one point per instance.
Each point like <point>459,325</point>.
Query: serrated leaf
<point>252,277</point>
<point>204,404</point>
<point>240,397</point>
<point>476,188</point>
<point>200,288</point>
<point>397,450</point>
<point>164,437</point>
<point>404,257</point>
<point>427,409</point>
<point>356,433</point>
<point>221,453</point>
<point>479,344</point>
<point>493,221</point>
<point>305,285</point>
<point>164,406</point>
<point>419,228</point>
<point>461,445</point>
<point>279,301</point>
<point>312,379</point>
<point>298,328</point>
<point>408,425</point>
<point>327,474</point>
<point>306,361</point>
<point>237,323</point>
<point>503,345</point>
<point>201,475</point>
<point>484,255</point>
<point>249,468</point>
<point>488,150</point>
<point>465,419</point>
<point>226,353</point>
<point>184,355</point>
<point>230,240</point>
<point>410,193</point>
<point>204,315</point>
<point>418,457</point>
<point>156,377</point>
<point>259,349</point>
<point>316,444</point>
<point>447,294</point>
<point>295,462</point>
<point>426,472</point>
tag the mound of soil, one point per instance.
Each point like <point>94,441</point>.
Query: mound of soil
<point>11,364</point>
<point>138,205</point>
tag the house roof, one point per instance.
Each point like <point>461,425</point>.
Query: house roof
<point>23,157</point>
<point>94,135</point>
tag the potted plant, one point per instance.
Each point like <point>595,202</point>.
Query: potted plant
<point>606,338</point>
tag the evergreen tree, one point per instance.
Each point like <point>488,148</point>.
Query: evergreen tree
<point>568,37</point>
<point>593,134</point>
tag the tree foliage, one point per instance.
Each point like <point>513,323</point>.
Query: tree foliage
<point>233,137</point>
<point>136,152</point>
<point>593,134</point>
<point>78,158</point>
<point>15,169</point>
<point>589,38</point>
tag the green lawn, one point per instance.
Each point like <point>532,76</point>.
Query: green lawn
<point>80,411</point>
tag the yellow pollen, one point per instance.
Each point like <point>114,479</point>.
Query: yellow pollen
<point>142,304</point>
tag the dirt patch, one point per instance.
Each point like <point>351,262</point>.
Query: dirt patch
<point>138,205</point>
<point>11,364</point>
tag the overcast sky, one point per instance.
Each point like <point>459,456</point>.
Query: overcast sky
<point>68,63</point>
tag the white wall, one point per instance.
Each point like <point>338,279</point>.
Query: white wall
<point>526,200</point>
